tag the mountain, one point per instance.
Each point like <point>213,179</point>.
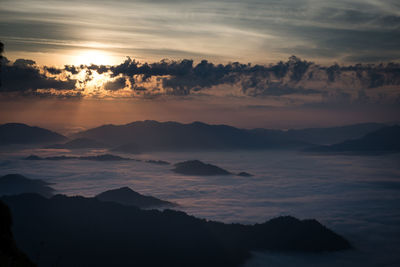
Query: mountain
<point>196,167</point>
<point>18,133</point>
<point>384,140</point>
<point>245,174</point>
<point>15,184</point>
<point>127,196</point>
<point>78,143</point>
<point>332,135</point>
<point>70,230</point>
<point>101,157</point>
<point>142,136</point>
<point>10,254</point>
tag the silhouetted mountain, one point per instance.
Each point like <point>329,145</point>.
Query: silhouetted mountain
<point>332,135</point>
<point>142,136</point>
<point>127,196</point>
<point>196,167</point>
<point>67,231</point>
<point>102,157</point>
<point>244,174</point>
<point>385,140</point>
<point>159,162</point>
<point>10,255</point>
<point>78,143</point>
<point>14,184</point>
<point>18,133</point>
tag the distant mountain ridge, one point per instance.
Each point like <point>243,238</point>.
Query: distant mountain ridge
<point>143,136</point>
<point>384,140</point>
<point>15,184</point>
<point>147,136</point>
<point>19,133</point>
<point>332,135</point>
<point>100,157</point>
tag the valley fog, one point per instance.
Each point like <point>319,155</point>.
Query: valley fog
<point>356,196</point>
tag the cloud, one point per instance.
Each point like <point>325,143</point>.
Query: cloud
<point>294,81</point>
<point>72,69</point>
<point>23,75</point>
<point>252,30</point>
<point>116,84</point>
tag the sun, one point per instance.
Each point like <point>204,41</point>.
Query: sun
<point>98,57</point>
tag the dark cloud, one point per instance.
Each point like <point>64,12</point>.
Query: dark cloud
<point>183,76</point>
<point>116,84</point>
<point>284,78</point>
<point>53,70</point>
<point>72,69</point>
<point>100,69</point>
<point>24,62</point>
<point>24,75</point>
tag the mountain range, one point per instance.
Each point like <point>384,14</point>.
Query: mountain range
<point>64,231</point>
<point>148,136</point>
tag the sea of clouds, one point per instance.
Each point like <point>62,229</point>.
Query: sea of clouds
<point>356,196</point>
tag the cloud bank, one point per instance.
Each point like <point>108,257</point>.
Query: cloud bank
<point>293,81</point>
<point>248,31</point>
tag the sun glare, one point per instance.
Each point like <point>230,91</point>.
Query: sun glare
<point>97,57</point>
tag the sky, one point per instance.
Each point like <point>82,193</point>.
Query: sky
<point>270,63</point>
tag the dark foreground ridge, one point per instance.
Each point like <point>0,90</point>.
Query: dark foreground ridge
<point>10,255</point>
<point>65,231</point>
<point>14,184</point>
<point>127,196</point>
<point>196,167</point>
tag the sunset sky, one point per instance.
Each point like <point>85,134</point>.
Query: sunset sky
<point>76,73</point>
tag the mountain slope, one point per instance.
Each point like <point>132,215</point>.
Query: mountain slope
<point>127,196</point>
<point>15,184</point>
<point>164,136</point>
<point>333,135</point>
<point>384,140</point>
<point>144,136</point>
<point>93,233</point>
<point>10,254</point>
<point>196,167</point>
<point>18,133</point>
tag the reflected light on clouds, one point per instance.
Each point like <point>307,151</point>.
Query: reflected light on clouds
<point>98,57</point>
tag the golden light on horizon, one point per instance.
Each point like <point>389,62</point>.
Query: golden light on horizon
<point>98,57</point>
